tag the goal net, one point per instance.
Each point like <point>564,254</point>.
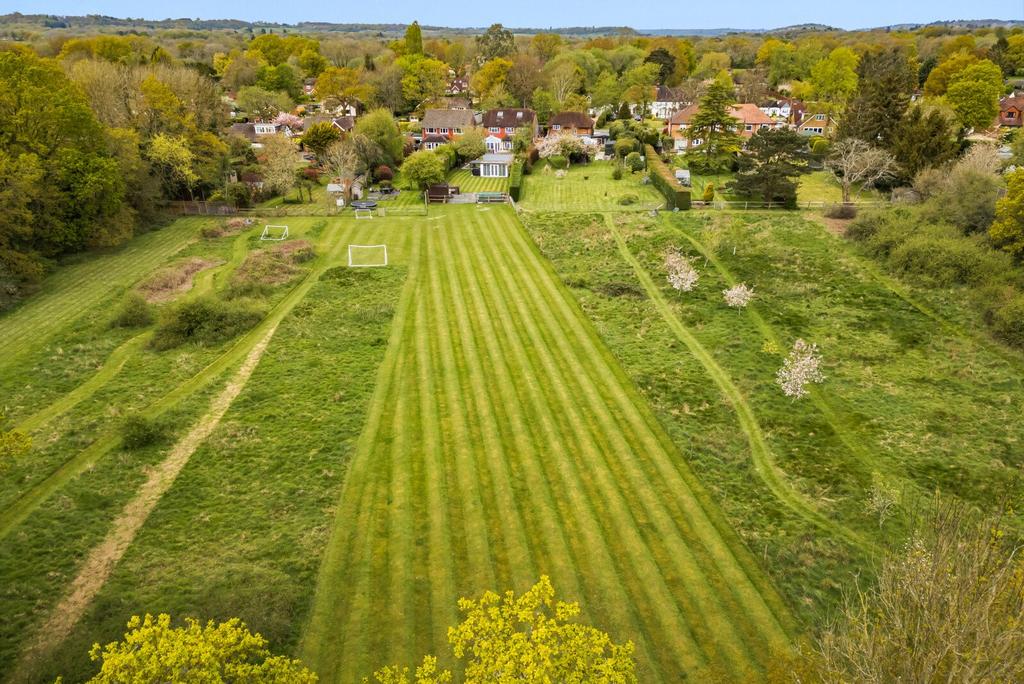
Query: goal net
<point>365,256</point>
<point>274,232</point>
<point>364,213</point>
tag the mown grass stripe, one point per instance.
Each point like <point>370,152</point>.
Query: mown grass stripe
<point>323,644</point>
<point>575,479</point>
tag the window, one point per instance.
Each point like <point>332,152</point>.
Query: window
<point>819,117</point>
<point>764,125</point>
<point>509,129</point>
<point>813,129</point>
<point>556,127</point>
<point>1011,114</point>
<point>493,129</point>
<point>444,130</point>
<point>748,127</point>
<point>458,131</point>
<point>430,130</point>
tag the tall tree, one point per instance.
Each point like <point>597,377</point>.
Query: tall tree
<point>716,129</point>
<point>1007,231</point>
<point>772,160</point>
<point>666,62</point>
<point>886,79</point>
<point>380,127</point>
<point>856,163</point>
<point>413,39</point>
<point>496,42</point>
<point>974,94</point>
<point>927,137</point>
<point>834,79</point>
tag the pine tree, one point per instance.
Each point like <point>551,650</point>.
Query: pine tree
<point>716,128</point>
<point>886,80</point>
<point>927,137</point>
<point>773,159</point>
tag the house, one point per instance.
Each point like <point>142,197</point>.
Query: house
<point>440,126</point>
<point>812,123</point>
<point>253,131</point>
<point>342,123</point>
<point>668,101</point>
<point>457,103</point>
<point>501,125</point>
<point>777,109</point>
<point>458,86</point>
<point>309,86</point>
<point>577,123</point>
<point>750,118</point>
<point>1011,109</point>
<point>493,165</point>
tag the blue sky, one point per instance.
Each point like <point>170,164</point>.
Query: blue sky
<point>545,13</point>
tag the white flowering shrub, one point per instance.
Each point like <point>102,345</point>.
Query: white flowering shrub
<point>738,296</point>
<point>681,273</point>
<point>801,368</point>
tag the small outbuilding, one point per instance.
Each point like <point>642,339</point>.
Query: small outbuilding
<point>493,165</point>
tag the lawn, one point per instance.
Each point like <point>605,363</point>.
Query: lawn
<point>504,442</point>
<point>586,188</point>
<point>467,182</point>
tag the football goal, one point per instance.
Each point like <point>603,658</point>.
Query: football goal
<point>367,256</point>
<point>364,213</point>
<point>274,233</point>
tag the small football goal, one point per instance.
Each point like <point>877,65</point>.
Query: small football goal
<point>364,213</point>
<point>274,233</point>
<point>367,256</point>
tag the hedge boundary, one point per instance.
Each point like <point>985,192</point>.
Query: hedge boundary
<point>676,194</point>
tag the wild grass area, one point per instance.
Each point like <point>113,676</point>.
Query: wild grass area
<point>905,407</point>
<point>587,187</point>
<point>508,398</point>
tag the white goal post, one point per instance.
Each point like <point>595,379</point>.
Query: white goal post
<point>367,256</point>
<point>274,232</point>
<point>364,213</point>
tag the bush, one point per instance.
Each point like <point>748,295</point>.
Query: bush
<point>617,172</point>
<point>139,431</point>
<point>1005,314</point>
<point>623,146</point>
<point>634,162</point>
<point>238,195</point>
<point>626,200</point>
<point>557,161</point>
<point>947,260</point>
<point>205,321</point>
<point>515,181</point>
<point>676,195</point>
<point>820,147</point>
<point>709,192</point>
<point>383,173</point>
<point>841,211</point>
<point>135,312</point>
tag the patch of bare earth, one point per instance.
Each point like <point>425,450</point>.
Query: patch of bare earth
<point>836,226</point>
<point>168,283</point>
<point>103,558</point>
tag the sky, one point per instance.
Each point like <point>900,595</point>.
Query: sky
<point>743,14</point>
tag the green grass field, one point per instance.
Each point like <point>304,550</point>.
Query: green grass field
<point>512,396</point>
<point>467,182</point>
<point>586,188</point>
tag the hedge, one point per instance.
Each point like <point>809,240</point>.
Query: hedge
<point>515,183</point>
<point>677,196</point>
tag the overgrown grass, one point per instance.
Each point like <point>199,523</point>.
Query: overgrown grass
<point>894,380</point>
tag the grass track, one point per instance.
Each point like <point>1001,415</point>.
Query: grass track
<point>504,442</point>
<point>764,461</point>
<point>76,288</point>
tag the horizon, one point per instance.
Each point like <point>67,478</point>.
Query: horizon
<point>736,16</point>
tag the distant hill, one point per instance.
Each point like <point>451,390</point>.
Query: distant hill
<point>99,21</point>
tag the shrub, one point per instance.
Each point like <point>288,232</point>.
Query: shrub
<point>138,431</point>
<point>676,195</point>
<point>841,211</point>
<point>238,195</point>
<point>383,173</point>
<point>624,146</point>
<point>820,147</point>
<point>135,312</point>
<point>1005,313</point>
<point>205,321</point>
<point>617,172</point>
<point>634,162</point>
<point>947,260</point>
<point>709,192</point>
<point>557,161</point>
<point>626,200</point>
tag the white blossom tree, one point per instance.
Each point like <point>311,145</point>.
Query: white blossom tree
<point>801,368</point>
<point>290,120</point>
<point>681,273</point>
<point>738,296</point>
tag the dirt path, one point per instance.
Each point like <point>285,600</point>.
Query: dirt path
<point>101,562</point>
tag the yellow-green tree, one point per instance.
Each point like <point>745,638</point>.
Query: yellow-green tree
<point>1007,231</point>
<point>528,638</point>
<point>154,651</point>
